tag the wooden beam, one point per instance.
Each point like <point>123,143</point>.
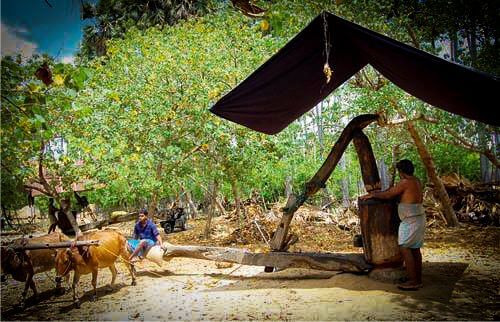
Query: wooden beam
<point>54,245</point>
<point>329,262</point>
<point>369,170</point>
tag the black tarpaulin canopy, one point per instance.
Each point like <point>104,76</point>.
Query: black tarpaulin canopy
<point>292,81</point>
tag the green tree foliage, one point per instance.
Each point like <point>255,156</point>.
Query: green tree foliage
<point>34,117</point>
<point>114,17</point>
<point>143,123</point>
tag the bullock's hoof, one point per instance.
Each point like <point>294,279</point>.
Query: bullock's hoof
<point>93,298</point>
<point>134,283</point>
<point>60,291</point>
<point>77,304</point>
<point>4,278</point>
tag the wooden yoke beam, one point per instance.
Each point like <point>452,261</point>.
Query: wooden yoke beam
<point>65,244</point>
<point>280,240</point>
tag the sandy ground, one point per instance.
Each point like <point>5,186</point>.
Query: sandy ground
<point>460,273</point>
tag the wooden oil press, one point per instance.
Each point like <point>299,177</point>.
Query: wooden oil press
<point>379,221</point>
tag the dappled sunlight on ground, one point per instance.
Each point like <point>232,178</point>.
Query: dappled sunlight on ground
<point>461,280</point>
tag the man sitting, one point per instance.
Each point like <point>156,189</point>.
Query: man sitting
<point>146,235</point>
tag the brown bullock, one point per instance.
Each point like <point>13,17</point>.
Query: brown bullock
<point>88,259</point>
<point>22,265</point>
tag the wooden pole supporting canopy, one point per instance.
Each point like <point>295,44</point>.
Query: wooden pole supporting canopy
<point>54,245</point>
<point>321,261</point>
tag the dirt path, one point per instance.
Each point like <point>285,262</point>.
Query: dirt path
<point>461,277</point>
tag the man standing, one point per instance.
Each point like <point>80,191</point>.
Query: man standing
<point>412,226</point>
<point>146,235</point>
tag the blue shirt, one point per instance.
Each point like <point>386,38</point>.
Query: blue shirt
<point>149,231</point>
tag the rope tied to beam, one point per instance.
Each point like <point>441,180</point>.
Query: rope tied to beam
<point>326,67</point>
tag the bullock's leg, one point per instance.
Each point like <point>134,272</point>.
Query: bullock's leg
<point>60,289</point>
<point>112,268</point>
<point>25,292</point>
<point>94,283</point>
<point>33,287</point>
<point>74,286</point>
<point>29,284</point>
<point>125,255</point>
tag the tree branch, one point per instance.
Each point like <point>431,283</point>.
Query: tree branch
<point>15,105</point>
<point>37,189</point>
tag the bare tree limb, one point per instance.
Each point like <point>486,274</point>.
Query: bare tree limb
<point>15,105</point>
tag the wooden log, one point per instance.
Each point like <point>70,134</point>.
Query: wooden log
<point>127,217</point>
<point>278,241</point>
<point>329,262</point>
<point>54,245</point>
<point>96,224</point>
<point>353,127</point>
<point>369,170</point>
<point>379,228</point>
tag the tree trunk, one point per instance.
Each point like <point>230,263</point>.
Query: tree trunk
<point>395,158</point>
<point>153,204</point>
<point>439,190</point>
<point>379,227</point>
<point>219,205</point>
<point>485,168</point>
<point>346,198</point>
<point>319,125</point>
<point>383,173</point>
<point>66,218</point>
<point>495,174</point>
<point>471,39</point>
<point>288,186</point>
<point>453,46</point>
<point>211,211</point>
<point>191,205</point>
<point>328,262</point>
<point>236,195</point>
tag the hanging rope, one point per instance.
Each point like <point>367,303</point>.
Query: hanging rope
<point>326,68</point>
